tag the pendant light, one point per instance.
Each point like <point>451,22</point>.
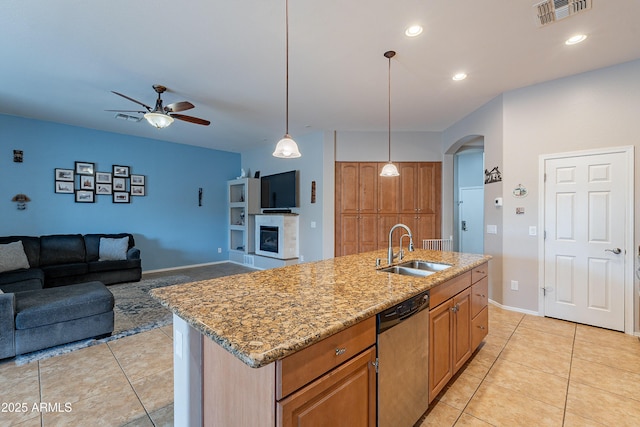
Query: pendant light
<point>389,169</point>
<point>287,147</point>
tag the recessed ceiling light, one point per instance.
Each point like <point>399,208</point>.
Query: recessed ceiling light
<point>413,31</point>
<point>459,76</point>
<point>575,39</point>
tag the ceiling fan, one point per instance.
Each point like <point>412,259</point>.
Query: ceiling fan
<point>162,116</point>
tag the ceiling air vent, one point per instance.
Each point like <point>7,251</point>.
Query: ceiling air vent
<point>549,11</point>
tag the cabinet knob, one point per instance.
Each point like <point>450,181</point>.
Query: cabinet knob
<point>481,327</point>
<point>480,295</point>
<point>340,351</point>
<point>480,271</point>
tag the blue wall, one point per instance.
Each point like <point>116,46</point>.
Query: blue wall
<point>169,227</point>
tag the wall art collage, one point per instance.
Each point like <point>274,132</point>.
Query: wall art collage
<point>86,183</point>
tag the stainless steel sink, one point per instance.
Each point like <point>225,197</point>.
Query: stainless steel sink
<point>405,271</point>
<point>416,268</point>
<point>424,265</point>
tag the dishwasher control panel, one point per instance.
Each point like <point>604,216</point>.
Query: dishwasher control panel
<point>404,310</point>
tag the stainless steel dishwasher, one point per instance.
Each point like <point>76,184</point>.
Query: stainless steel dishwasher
<point>403,362</point>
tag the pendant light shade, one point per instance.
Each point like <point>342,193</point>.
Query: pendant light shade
<point>287,147</point>
<point>158,120</point>
<point>389,169</point>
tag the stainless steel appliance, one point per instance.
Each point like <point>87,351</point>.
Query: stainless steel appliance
<point>403,363</point>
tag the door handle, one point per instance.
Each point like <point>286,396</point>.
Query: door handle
<point>464,225</point>
<point>616,251</point>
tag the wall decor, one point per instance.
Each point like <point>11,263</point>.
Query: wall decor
<point>17,156</point>
<point>119,184</point>
<point>494,175</point>
<point>137,179</point>
<point>64,187</point>
<point>85,196</point>
<point>87,182</point>
<point>85,168</point>
<point>121,171</point>
<point>64,174</point>
<point>103,177</point>
<point>137,190</point>
<point>120,197</point>
<point>104,189</point>
<point>22,200</point>
<point>520,192</point>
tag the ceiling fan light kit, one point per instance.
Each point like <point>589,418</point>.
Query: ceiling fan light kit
<point>287,147</point>
<point>158,120</point>
<point>389,169</point>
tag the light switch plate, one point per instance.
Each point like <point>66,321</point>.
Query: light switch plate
<point>492,229</point>
<point>533,230</point>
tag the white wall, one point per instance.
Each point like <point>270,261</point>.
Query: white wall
<point>590,110</point>
<point>374,146</point>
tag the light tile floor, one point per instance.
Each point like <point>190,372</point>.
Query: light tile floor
<point>536,371</point>
<point>530,371</point>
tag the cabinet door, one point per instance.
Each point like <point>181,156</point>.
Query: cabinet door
<point>348,235</point>
<point>345,396</point>
<point>367,233</point>
<point>388,187</point>
<point>347,187</point>
<point>407,187</point>
<point>479,328</point>
<point>440,347</point>
<point>385,223</point>
<point>479,296</point>
<point>367,188</point>
<point>461,328</point>
<point>429,187</point>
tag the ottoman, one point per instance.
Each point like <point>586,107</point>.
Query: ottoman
<point>53,316</point>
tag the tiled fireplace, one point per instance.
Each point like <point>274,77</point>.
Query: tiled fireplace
<point>277,236</point>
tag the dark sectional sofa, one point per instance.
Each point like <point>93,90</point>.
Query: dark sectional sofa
<point>62,297</point>
<point>65,259</point>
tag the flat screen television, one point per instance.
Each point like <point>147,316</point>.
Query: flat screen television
<point>279,191</point>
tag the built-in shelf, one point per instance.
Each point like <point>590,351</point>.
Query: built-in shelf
<point>243,201</point>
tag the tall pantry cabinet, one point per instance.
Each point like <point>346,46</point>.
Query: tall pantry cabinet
<point>368,205</point>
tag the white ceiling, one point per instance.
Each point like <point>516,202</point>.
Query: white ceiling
<point>61,60</point>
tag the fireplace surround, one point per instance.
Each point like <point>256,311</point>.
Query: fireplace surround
<point>277,235</point>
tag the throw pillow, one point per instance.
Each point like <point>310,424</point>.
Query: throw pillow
<point>113,249</point>
<point>12,257</point>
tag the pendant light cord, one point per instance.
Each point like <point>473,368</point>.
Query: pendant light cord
<point>390,107</point>
<point>287,67</point>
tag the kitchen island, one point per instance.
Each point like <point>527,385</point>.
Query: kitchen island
<point>255,321</point>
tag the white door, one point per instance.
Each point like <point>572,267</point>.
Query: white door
<point>471,214</point>
<point>586,205</point>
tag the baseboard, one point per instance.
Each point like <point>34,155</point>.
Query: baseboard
<point>182,267</point>
<point>516,309</point>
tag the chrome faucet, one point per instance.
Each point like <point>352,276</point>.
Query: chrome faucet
<point>400,254</point>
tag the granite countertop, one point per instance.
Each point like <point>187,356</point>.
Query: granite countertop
<point>264,316</point>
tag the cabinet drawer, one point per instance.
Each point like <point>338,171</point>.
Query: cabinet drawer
<point>300,368</point>
<point>479,328</point>
<point>440,293</point>
<point>479,296</point>
<point>479,272</point>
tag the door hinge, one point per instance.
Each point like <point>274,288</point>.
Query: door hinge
<point>375,364</point>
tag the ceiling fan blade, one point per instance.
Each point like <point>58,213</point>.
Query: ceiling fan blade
<point>191,119</point>
<point>128,111</point>
<point>178,106</point>
<point>132,100</point>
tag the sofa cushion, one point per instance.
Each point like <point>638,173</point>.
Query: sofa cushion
<point>113,249</point>
<point>92,243</point>
<point>24,285</point>
<point>61,304</point>
<point>31,247</point>
<point>65,270</point>
<point>125,264</point>
<point>13,257</point>
<point>62,249</point>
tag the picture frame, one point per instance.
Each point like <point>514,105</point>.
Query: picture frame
<point>85,168</point>
<point>121,171</point>
<point>119,184</point>
<point>104,189</point>
<point>121,197</point>
<point>64,187</point>
<point>103,177</point>
<point>138,190</point>
<point>85,196</point>
<point>137,179</point>
<point>87,182</point>
<point>64,174</point>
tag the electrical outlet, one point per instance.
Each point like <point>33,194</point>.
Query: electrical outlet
<point>301,258</point>
<point>219,250</point>
<point>514,285</point>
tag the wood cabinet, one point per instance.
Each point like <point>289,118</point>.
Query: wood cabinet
<point>332,382</point>
<point>458,322</point>
<point>367,205</point>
